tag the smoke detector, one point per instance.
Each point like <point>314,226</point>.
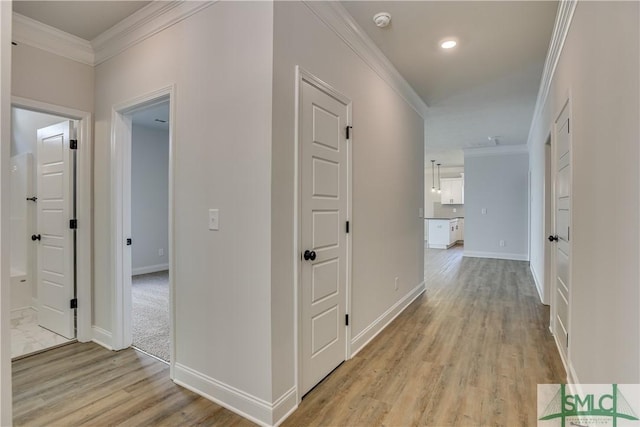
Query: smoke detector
<point>382,19</point>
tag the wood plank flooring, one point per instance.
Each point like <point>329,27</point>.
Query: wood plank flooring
<point>469,352</point>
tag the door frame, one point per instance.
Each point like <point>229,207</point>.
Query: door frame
<point>565,106</point>
<point>121,215</point>
<point>84,215</point>
<point>303,75</point>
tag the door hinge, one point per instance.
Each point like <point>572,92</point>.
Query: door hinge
<point>73,144</point>
<point>346,319</point>
<point>347,227</point>
<point>568,125</point>
<point>73,224</point>
<point>73,303</point>
<point>567,340</point>
<point>349,132</point>
<point>568,234</point>
<point>129,242</point>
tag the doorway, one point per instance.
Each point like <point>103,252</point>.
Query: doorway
<point>324,265</point>
<point>150,230</point>
<point>50,257</point>
<point>561,237</point>
<point>142,216</point>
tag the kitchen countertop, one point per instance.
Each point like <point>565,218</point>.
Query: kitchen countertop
<point>446,218</point>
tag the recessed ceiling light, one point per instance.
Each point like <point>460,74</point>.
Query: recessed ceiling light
<point>448,44</point>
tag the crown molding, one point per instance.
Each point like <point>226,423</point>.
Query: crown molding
<point>336,17</point>
<point>496,151</point>
<point>36,34</point>
<point>566,8</point>
<point>144,23</point>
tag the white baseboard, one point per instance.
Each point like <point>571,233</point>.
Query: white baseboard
<point>149,269</point>
<point>242,403</point>
<point>378,325</point>
<point>537,282</point>
<point>564,361</point>
<point>572,378</point>
<point>102,337</point>
<point>496,255</point>
<point>284,406</point>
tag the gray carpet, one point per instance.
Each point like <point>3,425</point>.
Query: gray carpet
<point>150,306</point>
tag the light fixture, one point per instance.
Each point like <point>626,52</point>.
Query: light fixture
<point>433,176</point>
<point>382,19</point>
<point>439,189</point>
<point>448,44</point>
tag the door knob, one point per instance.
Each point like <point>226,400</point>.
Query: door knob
<point>309,255</point>
<point>553,238</point>
<point>35,237</point>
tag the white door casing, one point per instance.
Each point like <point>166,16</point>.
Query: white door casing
<point>324,204</point>
<point>55,207</point>
<point>562,250</point>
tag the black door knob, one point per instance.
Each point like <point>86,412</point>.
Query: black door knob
<point>553,238</point>
<point>35,237</point>
<point>309,255</point>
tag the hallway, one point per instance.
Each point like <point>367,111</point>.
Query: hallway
<point>469,352</point>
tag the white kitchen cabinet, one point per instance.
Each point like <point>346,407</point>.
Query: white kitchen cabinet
<point>442,233</point>
<point>460,229</point>
<point>452,191</point>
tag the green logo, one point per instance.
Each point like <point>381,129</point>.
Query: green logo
<point>596,408</point>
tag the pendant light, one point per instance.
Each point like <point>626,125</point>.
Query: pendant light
<point>433,176</point>
<point>439,189</point>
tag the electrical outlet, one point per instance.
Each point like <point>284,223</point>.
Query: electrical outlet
<point>502,243</point>
<point>396,284</point>
<point>161,252</point>
<point>420,212</point>
<point>455,210</point>
<point>484,211</point>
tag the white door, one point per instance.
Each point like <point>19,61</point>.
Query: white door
<point>562,235</point>
<point>55,245</point>
<point>324,195</point>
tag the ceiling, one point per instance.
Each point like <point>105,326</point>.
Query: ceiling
<point>147,117</point>
<point>486,86</point>
<point>84,19</point>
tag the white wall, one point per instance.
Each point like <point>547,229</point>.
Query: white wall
<point>598,70</point>
<point>220,60</point>
<point>43,76</point>
<point>499,184</point>
<point>24,129</point>
<point>388,182</point>
<point>5,125</point>
<point>149,199</point>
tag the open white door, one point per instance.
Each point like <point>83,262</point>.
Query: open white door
<point>55,281</point>
<point>324,203</point>
<point>562,252</point>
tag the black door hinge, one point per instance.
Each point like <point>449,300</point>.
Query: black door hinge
<point>73,144</point>
<point>129,241</point>
<point>567,340</point>
<point>73,224</point>
<point>349,132</point>
<point>346,319</point>
<point>347,227</point>
<point>73,303</point>
<point>568,126</point>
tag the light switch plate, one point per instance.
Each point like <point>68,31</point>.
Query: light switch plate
<point>214,219</point>
<point>420,212</point>
<point>484,211</point>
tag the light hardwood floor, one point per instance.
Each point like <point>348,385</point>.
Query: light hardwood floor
<point>469,352</point>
